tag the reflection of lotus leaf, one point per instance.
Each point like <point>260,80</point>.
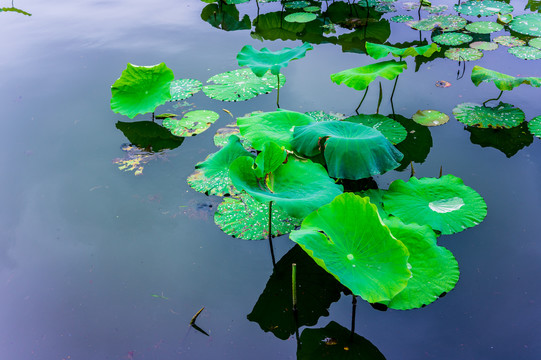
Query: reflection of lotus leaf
<point>452,39</point>
<point>508,40</point>
<point>502,81</point>
<point>359,78</point>
<point>434,270</point>
<point>401,18</point>
<point>392,130</point>
<point>442,22</point>
<point>352,151</point>
<point>149,135</point>
<point>348,239</point>
<point>445,204</point>
<point>245,218</point>
<point>483,8</point>
<point>508,141</point>
<point>527,24</point>
<point>501,116</point>
<point>525,52</point>
<point>184,88</point>
<point>300,17</point>
<point>192,123</point>
<point>225,17</point>
<point>463,54</point>
<point>378,51</point>
<point>484,45</point>
<point>261,61</point>
<point>271,26</point>
<point>240,85</point>
<point>234,2</point>
<point>535,126</point>
<point>212,175</point>
<point>417,144</point>
<point>484,27</point>
<point>430,117</point>
<point>140,89</point>
<point>385,8</point>
<point>367,3</point>
<point>535,42</point>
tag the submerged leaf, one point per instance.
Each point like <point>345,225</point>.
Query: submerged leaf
<point>261,61</point>
<point>501,116</point>
<point>136,159</point>
<point>192,123</point>
<point>359,78</point>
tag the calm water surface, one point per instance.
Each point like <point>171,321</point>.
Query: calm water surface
<point>84,246</point>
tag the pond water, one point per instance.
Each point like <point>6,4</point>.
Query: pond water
<point>97,263</point>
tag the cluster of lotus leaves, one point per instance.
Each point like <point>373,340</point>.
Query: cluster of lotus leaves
<point>502,81</point>
<point>378,51</point>
<point>261,61</point>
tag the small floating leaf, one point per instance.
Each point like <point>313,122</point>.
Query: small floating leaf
<point>463,54</point>
<point>501,116</point>
<point>484,27</point>
<point>453,39</point>
<point>527,24</point>
<point>401,18</point>
<point>484,45</point>
<point>483,8</point>
<point>525,52</point>
<point>300,17</point>
<point>508,40</point>
<point>296,4</point>
<point>442,22</point>
<point>193,123</point>
<point>535,126</point>
<point>312,9</point>
<point>184,88</point>
<point>430,117</point>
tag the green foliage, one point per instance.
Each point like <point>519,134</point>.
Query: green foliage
<point>269,159</point>
<point>507,40</point>
<point>527,24</point>
<point>500,116</point>
<point>184,88</point>
<point>535,126</point>
<point>442,22</point>
<point>149,135</point>
<point>192,123</point>
<point>392,130</point>
<point>484,27</point>
<point>300,17</point>
<point>483,8</point>
<point>430,117</point>
<point>359,78</point>
<point>463,54</point>
<point>525,52</point>
<point>261,61</point>
<point>502,81</point>
<point>378,51</point>
<point>452,39</point>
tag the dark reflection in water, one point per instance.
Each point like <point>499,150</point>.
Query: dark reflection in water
<point>508,141</point>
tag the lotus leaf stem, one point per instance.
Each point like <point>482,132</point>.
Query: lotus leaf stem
<point>394,87</point>
<point>278,91</point>
<point>498,98</point>
<point>412,174</point>
<point>353,311</point>
<point>364,96</point>
<point>379,97</point>
<point>441,171</point>
<point>270,235</point>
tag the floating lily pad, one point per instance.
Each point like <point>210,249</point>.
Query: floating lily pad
<point>505,18</point>
<point>483,8</point>
<point>452,39</point>
<point>235,2</point>
<point>385,8</point>
<point>430,117</point>
<point>410,5</point>
<point>508,40</point>
<point>323,116</point>
<point>312,9</point>
<point>359,78</point>
<point>221,138</point>
<point>300,17</point>
<point>502,81</point>
<point>401,18</point>
<point>261,61</point>
<point>525,52</point>
<point>212,175</point>
<point>192,123</point>
<point>241,85</point>
<point>463,54</point>
<point>435,9</point>
<point>445,204</point>
<point>484,27</point>
<point>527,24</point>
<point>535,126</point>
<point>392,130</point>
<point>501,116</point>
<point>535,42</point>
<point>442,22</point>
<point>367,3</point>
<point>296,4</point>
<point>484,45</point>
<point>245,218</point>
<point>508,141</point>
<point>184,88</point>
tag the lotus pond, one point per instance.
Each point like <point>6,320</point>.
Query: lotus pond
<point>392,149</point>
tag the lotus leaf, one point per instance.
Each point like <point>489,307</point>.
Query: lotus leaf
<point>505,18</point>
<point>430,117</point>
<point>510,41</point>
<point>535,42</point>
<point>484,27</point>
<point>317,291</point>
<point>323,116</point>
<point>348,239</point>
<point>184,88</point>
<point>312,9</point>
<point>483,8</point>
<point>221,138</point>
<point>484,45</point>
<point>193,123</point>
<point>463,54</point>
<point>300,17</point>
<point>392,130</point>
<point>417,144</point>
<point>367,3</point>
<point>436,9</point>
<point>296,4</point>
<point>442,22</point>
<point>508,141</point>
<point>501,116</point>
<point>535,126</point>
<point>385,8</point>
<point>149,135</point>
<point>359,78</point>
<point>234,2</point>
<point>212,175</point>
<point>452,39</point>
<point>525,52</point>
<point>298,187</point>
<point>245,218</point>
<point>502,81</point>
<point>401,18</point>
<point>445,204</point>
<point>434,269</point>
<point>335,342</point>
<point>269,159</point>
<point>376,198</point>
<point>410,5</point>
<point>261,61</point>
<point>276,126</point>
<point>240,85</point>
<point>527,24</point>
<point>378,51</point>
<point>141,89</point>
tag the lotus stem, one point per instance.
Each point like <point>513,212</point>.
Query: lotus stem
<point>153,116</point>
<point>270,235</point>
<point>441,171</point>
<point>366,92</point>
<point>353,311</point>
<point>379,97</point>
<point>498,98</point>
<point>394,87</point>
<point>412,174</point>
<point>278,91</point>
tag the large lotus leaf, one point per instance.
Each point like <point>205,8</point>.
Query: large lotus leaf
<point>535,126</point>
<point>442,22</point>
<point>508,141</point>
<point>359,78</point>
<point>240,85</point>
<point>348,239</point>
<point>527,24</point>
<point>269,159</point>
<point>463,54</point>
<point>352,151</point>
<point>452,39</point>
<point>317,290</point>
<point>245,218</point>
<point>483,8</point>
<point>298,187</point>
<point>261,61</point>
<point>417,144</point>
<point>510,41</point>
<point>141,89</point>
<point>225,17</point>
<point>184,88</point>
<point>149,135</point>
<point>502,81</point>
<point>525,52</point>
<point>271,26</point>
<point>501,116</point>
<point>434,269</point>
<point>445,204</point>
<point>378,51</point>
<point>212,175</point>
<point>276,126</point>
<point>192,123</point>
<point>392,130</point>
<point>335,342</point>
<point>484,27</point>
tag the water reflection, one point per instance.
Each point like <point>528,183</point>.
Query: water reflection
<point>508,141</point>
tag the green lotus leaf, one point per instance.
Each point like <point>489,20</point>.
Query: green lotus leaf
<point>296,4</point>
<point>410,5</point>
<point>527,24</point>
<point>352,151</point>
<point>367,3</point>
<point>442,22</point>
<point>141,89</point>
<point>535,42</point>
<point>212,175</point>
<point>508,141</point>
<point>385,8</point>
<point>245,218</point>
<point>484,27</point>
<point>525,52</point>
<point>234,2</point>
<point>240,85</point>
<point>445,204</point>
<point>184,88</point>
<point>510,41</point>
<point>323,116</point>
<point>430,117</point>
<point>502,81</point>
<point>452,39</point>
<point>535,126</point>
<point>463,54</point>
<point>269,159</point>
<point>261,61</point>
<point>483,8</point>
<point>501,116</point>
<point>312,9</point>
<point>434,269</point>
<point>417,144</point>
<point>505,19</point>
<point>317,291</point>
<point>335,342</point>
<point>359,78</point>
<point>271,26</point>
<point>435,9</point>
<point>354,41</point>
<point>378,51</point>
<point>376,198</point>
<point>221,138</point>
<point>300,17</point>
<point>276,126</point>
<point>149,135</point>
<point>392,130</point>
<point>401,18</point>
<point>192,123</point>
<point>484,45</point>
<point>348,239</point>
<point>298,187</point>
